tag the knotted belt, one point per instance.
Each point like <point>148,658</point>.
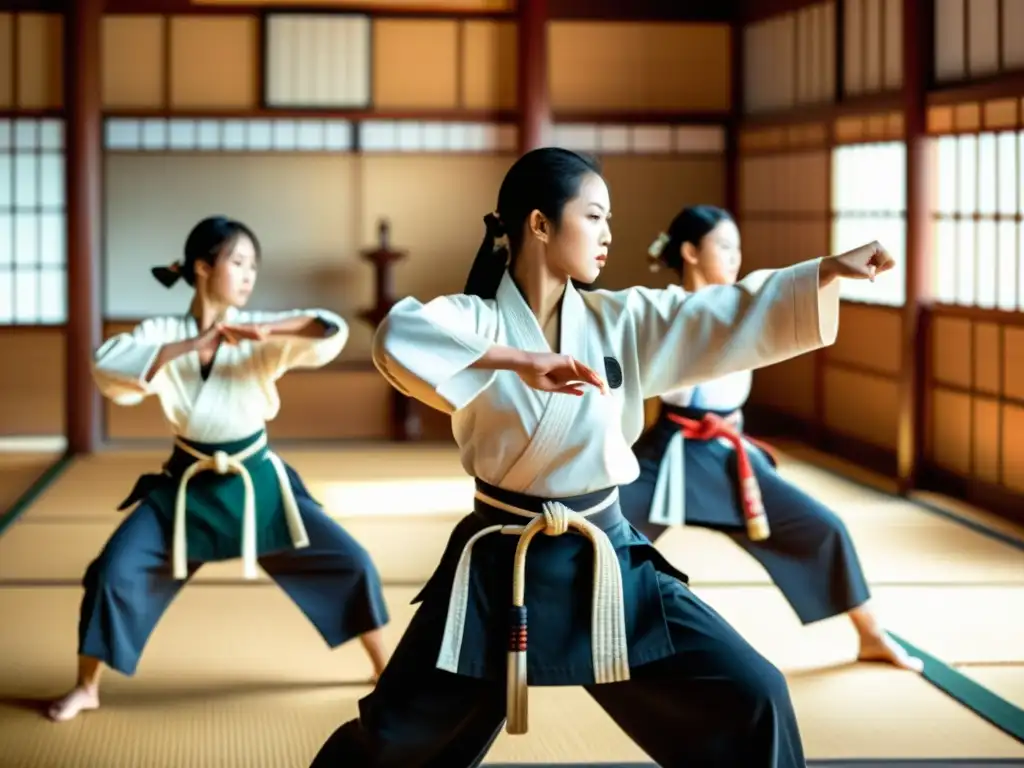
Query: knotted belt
<point>223,463</point>
<point>608,619</point>
<point>713,426</point>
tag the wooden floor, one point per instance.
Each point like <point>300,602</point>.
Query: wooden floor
<point>234,676</point>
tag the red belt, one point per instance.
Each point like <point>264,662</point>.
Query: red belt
<point>713,426</point>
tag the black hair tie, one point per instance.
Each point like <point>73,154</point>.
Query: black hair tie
<point>169,275</point>
<point>495,227</point>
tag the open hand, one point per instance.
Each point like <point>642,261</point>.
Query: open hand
<point>549,372</point>
<point>862,263</point>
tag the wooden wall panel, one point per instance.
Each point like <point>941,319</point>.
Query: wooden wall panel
<point>415,64</point>
<point>987,354</point>
<point>784,218</point>
<point>975,430</point>
<point>6,64</point>
<point>985,439</point>
<point>1013,448</point>
<point>1013,368</point>
<point>868,338</point>
<point>32,392</point>
<point>977,39</point>
<point>488,76</point>
<point>872,46</point>
<point>983,38</point>
<point>770,65</point>
<point>646,194</point>
<point>622,66</point>
<point>227,46</point>
<point>1012,40</point>
<point>951,351</point>
<point>134,62</point>
<point>861,405</point>
<point>951,433</point>
<point>40,61</point>
<point>787,388</point>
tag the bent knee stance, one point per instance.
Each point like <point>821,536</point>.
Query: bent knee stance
<point>125,596</point>
<point>758,686</point>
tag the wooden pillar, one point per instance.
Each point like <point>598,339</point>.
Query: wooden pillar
<point>83,166</point>
<point>532,75</point>
<point>735,125</point>
<point>917,63</point>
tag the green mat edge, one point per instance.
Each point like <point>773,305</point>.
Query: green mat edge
<point>1003,714</point>
<point>39,486</point>
<point>983,701</point>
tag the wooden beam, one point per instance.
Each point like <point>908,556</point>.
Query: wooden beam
<point>534,102</point>
<point>33,6</point>
<point>720,11</point>
<point>732,130</point>
<point>83,166</point>
<point>917,50</point>
<point>1001,86</point>
<point>749,11</point>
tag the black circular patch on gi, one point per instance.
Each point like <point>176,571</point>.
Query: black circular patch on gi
<point>613,372</point>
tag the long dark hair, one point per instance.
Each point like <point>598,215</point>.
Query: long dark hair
<point>691,225</point>
<point>541,180</point>
<point>206,242</point>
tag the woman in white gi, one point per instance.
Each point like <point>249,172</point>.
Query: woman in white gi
<point>545,385</point>
<point>222,493</point>
<point>697,468</point>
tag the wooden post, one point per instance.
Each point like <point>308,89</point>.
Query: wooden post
<point>532,75</point>
<point>83,169</point>
<point>917,62</point>
<point>405,418</point>
<point>733,127</point>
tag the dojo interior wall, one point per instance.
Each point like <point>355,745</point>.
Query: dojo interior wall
<point>790,205</point>
<point>816,84</point>
<point>169,77</point>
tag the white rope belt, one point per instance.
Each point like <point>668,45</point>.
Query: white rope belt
<point>608,619</point>
<point>223,463</point>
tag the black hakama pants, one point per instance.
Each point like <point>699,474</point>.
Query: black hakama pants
<point>711,701</point>
<point>809,555</point>
<point>129,586</point>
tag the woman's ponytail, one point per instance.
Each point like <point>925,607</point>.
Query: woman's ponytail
<point>490,263</point>
<point>168,275</point>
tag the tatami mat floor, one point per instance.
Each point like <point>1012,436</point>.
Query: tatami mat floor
<point>234,676</point>
<point>18,470</point>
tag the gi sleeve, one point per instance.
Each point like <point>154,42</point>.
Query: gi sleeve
<point>122,363</point>
<point>425,350</point>
<point>282,353</point>
<point>684,338</point>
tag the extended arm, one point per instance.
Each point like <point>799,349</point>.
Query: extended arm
<point>772,315</point>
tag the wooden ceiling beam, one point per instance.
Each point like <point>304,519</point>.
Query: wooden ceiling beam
<point>715,11</point>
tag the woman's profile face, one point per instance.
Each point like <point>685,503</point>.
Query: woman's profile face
<point>579,247</point>
<point>232,278</point>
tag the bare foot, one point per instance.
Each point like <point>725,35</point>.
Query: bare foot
<point>885,649</point>
<point>80,699</point>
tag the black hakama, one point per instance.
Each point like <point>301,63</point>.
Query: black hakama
<point>130,585</point>
<point>809,554</point>
<point>698,694</point>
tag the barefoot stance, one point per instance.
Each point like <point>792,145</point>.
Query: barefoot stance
<point>78,700</point>
<point>885,649</point>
